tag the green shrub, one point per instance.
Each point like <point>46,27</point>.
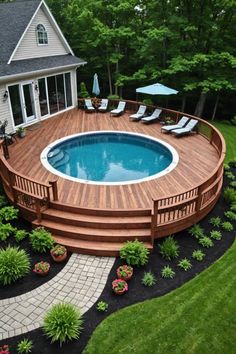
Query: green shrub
<point>63,322</point>
<point>41,240</point>
<point>6,230</point>
<point>232,163</point>
<point>14,264</point>
<point>3,201</point>
<point>230,195</point>
<point>167,272</point>
<point>83,90</point>
<point>233,120</point>
<point>216,222</point>
<point>169,248</point>
<point>198,255</point>
<point>227,226</point>
<point>206,242</point>
<point>233,208</point>
<point>226,167</point>
<point>216,235</point>
<point>148,279</point>
<point>148,102</point>
<point>197,231</point>
<point>230,175</point>
<point>135,253</point>
<point>20,235</point>
<point>233,184</point>
<point>102,306</point>
<point>24,346</point>
<point>8,213</point>
<point>230,215</point>
<point>185,264</point>
<point>113,97</point>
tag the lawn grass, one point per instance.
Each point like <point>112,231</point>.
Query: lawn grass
<point>199,317</point>
<point>229,133</point>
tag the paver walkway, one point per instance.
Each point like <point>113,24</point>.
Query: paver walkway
<point>80,283</point>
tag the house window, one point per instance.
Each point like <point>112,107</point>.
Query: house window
<point>42,36</point>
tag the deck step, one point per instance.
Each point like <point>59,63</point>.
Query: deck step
<point>96,221</point>
<point>92,247</point>
<point>94,234</point>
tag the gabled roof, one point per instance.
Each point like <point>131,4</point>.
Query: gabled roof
<point>14,18</point>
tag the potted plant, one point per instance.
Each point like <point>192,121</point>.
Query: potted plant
<point>119,286</point>
<point>41,268</point>
<point>124,272</point>
<point>59,253</point>
<point>21,132</point>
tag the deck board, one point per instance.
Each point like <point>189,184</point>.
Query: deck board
<point>197,159</point>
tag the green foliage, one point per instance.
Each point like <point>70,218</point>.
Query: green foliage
<point>169,248</point>
<point>14,264</point>
<point>8,213</point>
<point>24,346</point>
<point>148,279</point>
<point>230,195</point>
<point>63,322</point>
<point>232,162</point>
<point>226,167</point>
<point>185,264</point>
<point>227,226</point>
<point>167,272</point>
<point>233,208</point>
<point>147,102</point>
<point>198,255</point>
<point>113,97</point>
<point>216,235</point>
<point>3,201</point>
<point>41,240</point>
<point>230,175</point>
<point>216,222</point>
<point>102,306</point>
<point>83,91</point>
<point>230,215</point>
<point>233,120</point>
<point>196,231</point>
<point>5,231</point>
<point>135,253</point>
<point>206,242</point>
<point>20,235</point>
<point>233,184</point>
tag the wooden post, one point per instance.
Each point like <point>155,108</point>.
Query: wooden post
<point>38,210</point>
<point>199,198</point>
<point>54,189</point>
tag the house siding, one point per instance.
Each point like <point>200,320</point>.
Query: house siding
<point>29,47</point>
<point>5,112</point>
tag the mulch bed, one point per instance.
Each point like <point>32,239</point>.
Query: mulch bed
<point>138,292</point>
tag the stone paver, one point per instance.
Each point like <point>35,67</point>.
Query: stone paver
<point>80,282</point>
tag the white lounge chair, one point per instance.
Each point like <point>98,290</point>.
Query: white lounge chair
<point>187,129</point>
<point>119,110</point>
<point>179,125</point>
<point>139,114</point>
<point>88,105</point>
<point>104,105</point>
<point>155,115</point>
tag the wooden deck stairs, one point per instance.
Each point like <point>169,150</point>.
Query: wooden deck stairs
<point>100,232</point>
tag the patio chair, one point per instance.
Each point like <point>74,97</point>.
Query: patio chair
<point>88,105</point>
<point>3,135</point>
<point>104,104</point>
<point>155,116</point>
<point>187,129</point>
<point>183,121</point>
<point>141,112</point>
<point>119,110</point>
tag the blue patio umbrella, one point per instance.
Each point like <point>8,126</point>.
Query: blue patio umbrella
<point>96,89</point>
<point>157,89</point>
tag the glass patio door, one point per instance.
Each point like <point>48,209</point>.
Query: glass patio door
<point>28,103</point>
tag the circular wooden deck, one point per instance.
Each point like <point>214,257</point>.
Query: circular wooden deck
<point>197,159</point>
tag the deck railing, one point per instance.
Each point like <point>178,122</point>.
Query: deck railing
<point>24,191</point>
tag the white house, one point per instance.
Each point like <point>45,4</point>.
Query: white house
<point>37,65</point>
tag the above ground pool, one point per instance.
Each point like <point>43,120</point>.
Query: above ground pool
<point>109,157</point>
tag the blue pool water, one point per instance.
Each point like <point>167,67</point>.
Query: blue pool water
<point>109,157</point>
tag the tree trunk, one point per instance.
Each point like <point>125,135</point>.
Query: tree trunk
<point>215,106</point>
<point>200,105</point>
<point>184,98</point>
<point>117,69</point>
<point>109,77</point>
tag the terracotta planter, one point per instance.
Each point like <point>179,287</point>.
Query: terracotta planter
<point>43,274</point>
<point>60,258</point>
<point>115,288</point>
<point>129,272</point>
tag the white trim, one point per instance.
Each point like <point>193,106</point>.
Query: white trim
<point>48,166</point>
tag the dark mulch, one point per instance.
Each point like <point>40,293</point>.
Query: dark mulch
<point>32,280</point>
<point>138,292</point>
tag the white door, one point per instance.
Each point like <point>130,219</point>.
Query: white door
<point>28,102</point>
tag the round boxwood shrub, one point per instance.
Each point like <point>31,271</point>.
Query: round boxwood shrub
<point>63,322</point>
<point>41,240</point>
<point>14,264</point>
<point>135,253</point>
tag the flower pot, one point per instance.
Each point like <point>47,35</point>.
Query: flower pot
<point>59,258</point>
<point>118,290</point>
<point>43,274</point>
<point>129,272</point>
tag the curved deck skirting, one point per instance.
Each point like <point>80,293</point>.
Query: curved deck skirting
<point>97,219</point>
